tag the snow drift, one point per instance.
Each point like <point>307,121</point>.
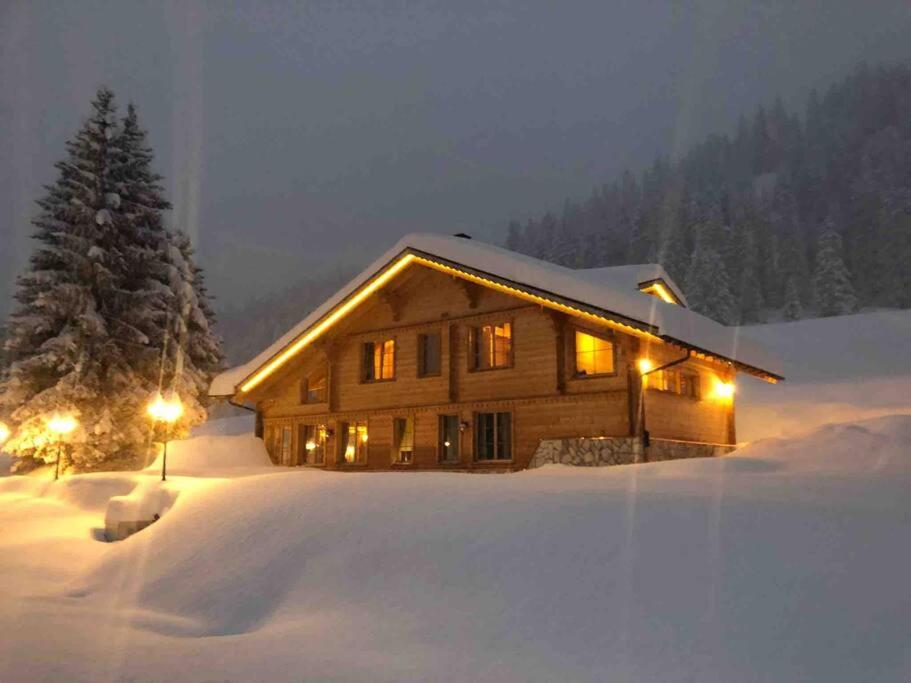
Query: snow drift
<point>784,562</point>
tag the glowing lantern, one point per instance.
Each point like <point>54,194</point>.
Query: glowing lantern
<point>4,433</point>
<point>724,390</point>
<point>61,425</point>
<point>310,445</point>
<point>645,366</point>
<point>167,411</point>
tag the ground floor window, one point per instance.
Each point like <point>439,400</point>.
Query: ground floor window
<point>353,442</point>
<point>493,436</point>
<point>312,444</point>
<point>449,439</point>
<point>678,382</point>
<point>286,446</point>
<point>403,440</point>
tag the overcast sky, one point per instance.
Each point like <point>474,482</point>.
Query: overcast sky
<point>298,136</point>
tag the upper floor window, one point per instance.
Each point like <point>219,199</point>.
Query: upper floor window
<point>313,387</point>
<point>403,440</point>
<point>594,355</point>
<point>677,382</point>
<point>379,361</point>
<point>491,346</point>
<point>429,354</point>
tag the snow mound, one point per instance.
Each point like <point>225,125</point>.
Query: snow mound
<point>755,567</point>
<point>213,455</point>
<point>840,369</point>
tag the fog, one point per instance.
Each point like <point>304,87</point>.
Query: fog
<point>299,137</point>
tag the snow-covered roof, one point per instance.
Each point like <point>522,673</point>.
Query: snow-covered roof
<point>638,275</point>
<point>613,292</point>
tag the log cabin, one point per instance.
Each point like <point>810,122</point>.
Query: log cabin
<point>448,353</point>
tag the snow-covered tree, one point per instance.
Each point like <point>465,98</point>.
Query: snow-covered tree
<point>707,287</point>
<point>831,281</point>
<point>192,353</point>
<point>66,339</point>
<point>792,310</point>
<point>105,293</point>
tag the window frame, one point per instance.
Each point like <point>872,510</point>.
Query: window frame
<point>364,364</point>
<point>606,336</point>
<point>422,356</point>
<point>320,435</point>
<point>441,434</point>
<point>396,453</point>
<point>342,446</point>
<point>474,336</point>
<point>305,387</point>
<point>496,439</point>
<point>676,388</point>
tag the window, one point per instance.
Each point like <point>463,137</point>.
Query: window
<point>286,446</point>
<point>449,439</point>
<point>677,382</point>
<point>429,354</point>
<point>312,444</point>
<point>379,361</point>
<point>594,355</point>
<point>403,440</point>
<point>313,387</point>
<point>491,346</point>
<point>493,436</point>
<point>353,442</point>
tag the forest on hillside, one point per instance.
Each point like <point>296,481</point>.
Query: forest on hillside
<point>795,214</point>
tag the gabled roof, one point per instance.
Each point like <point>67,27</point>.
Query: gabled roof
<point>609,295</point>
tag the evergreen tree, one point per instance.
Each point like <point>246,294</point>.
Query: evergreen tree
<point>831,281</point>
<point>98,300</point>
<point>707,288</point>
<point>792,310</point>
<point>749,289</point>
<point>65,339</point>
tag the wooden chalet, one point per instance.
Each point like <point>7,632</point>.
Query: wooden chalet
<point>451,354</point>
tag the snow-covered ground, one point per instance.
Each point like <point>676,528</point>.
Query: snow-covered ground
<point>787,561</point>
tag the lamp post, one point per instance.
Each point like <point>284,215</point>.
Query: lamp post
<point>167,411</point>
<point>61,425</point>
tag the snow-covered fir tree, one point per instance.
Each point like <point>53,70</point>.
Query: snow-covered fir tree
<point>832,286</point>
<point>707,286</point>
<point>94,306</point>
<point>792,310</point>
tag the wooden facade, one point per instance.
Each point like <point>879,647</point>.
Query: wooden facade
<point>435,403</point>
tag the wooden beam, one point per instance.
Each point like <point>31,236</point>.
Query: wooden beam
<point>471,290</point>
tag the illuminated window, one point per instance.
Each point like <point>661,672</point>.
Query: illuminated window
<point>449,439</point>
<point>493,436</point>
<point>353,442</point>
<point>676,382</point>
<point>403,440</point>
<point>379,361</point>
<point>594,355</point>
<point>312,444</point>
<point>429,354</point>
<point>313,387</point>
<point>491,346</point>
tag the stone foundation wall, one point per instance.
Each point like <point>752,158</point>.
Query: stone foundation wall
<point>593,452</point>
<point>662,449</point>
<point>618,450</point>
